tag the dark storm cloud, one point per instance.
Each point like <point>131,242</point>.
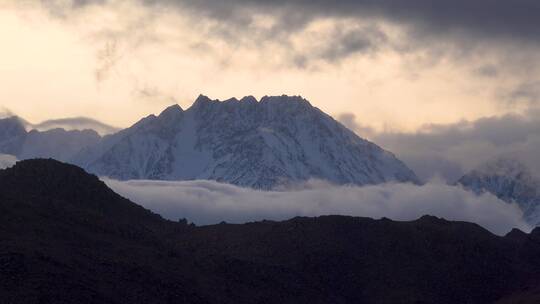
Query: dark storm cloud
<point>341,43</point>
<point>486,18</point>
<point>463,19</point>
<point>345,42</point>
<point>490,39</point>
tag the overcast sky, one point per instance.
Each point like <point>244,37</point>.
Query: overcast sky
<point>394,65</point>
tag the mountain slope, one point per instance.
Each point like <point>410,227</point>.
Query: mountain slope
<point>509,180</point>
<point>56,143</point>
<point>244,142</point>
<point>67,238</point>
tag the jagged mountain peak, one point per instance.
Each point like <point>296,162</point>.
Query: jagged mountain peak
<point>285,99</point>
<point>202,100</point>
<point>172,110</point>
<point>279,100</point>
<point>171,115</point>
<point>248,99</point>
<point>233,111</point>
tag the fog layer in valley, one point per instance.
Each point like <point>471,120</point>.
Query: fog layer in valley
<point>208,202</point>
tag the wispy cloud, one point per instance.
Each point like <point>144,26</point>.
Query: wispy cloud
<point>76,123</point>
<point>5,112</point>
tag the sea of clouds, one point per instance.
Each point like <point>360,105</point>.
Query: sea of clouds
<point>207,202</point>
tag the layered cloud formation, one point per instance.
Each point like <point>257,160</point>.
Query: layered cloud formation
<point>208,202</point>
<point>450,150</point>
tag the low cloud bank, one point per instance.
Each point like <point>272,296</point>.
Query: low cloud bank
<point>7,161</point>
<point>208,202</point>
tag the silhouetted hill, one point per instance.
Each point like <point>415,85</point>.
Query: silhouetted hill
<point>67,238</point>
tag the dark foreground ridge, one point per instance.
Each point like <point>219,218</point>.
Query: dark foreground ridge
<point>67,238</point>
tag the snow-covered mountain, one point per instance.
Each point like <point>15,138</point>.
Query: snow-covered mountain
<point>509,180</point>
<point>54,143</point>
<point>246,142</point>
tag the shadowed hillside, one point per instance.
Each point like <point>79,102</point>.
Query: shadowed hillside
<point>67,238</point>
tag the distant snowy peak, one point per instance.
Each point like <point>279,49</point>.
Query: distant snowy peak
<point>259,144</point>
<point>509,180</point>
<point>54,143</point>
